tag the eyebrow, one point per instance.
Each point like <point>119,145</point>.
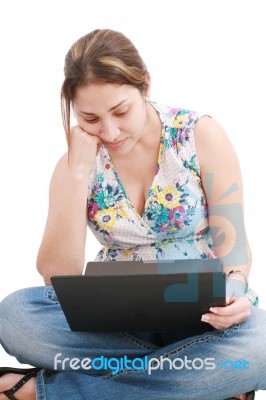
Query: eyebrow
<point>111,109</point>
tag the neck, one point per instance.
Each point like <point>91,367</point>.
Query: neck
<point>152,128</point>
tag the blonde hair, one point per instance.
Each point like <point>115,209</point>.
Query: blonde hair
<point>102,55</point>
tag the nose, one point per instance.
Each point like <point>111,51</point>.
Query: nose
<point>110,132</point>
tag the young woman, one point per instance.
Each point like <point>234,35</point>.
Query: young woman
<point>152,182</point>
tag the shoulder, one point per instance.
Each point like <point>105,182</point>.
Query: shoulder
<point>212,144</point>
<point>175,117</point>
<point>208,129</point>
<point>219,166</point>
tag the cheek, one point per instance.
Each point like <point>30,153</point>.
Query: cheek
<point>134,124</point>
<point>89,128</point>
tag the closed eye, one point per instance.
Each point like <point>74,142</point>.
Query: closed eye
<point>121,113</point>
<point>117,114</point>
<point>91,121</point>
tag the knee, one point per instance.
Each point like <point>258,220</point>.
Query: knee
<point>19,302</point>
<point>256,328</point>
<point>261,322</point>
<point>257,342</point>
<point>10,307</point>
<point>15,310</point>
<point>258,321</point>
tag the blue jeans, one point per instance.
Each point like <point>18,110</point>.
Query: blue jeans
<point>210,366</point>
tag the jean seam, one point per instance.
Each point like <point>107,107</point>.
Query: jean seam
<point>167,354</point>
<point>140,343</point>
<point>50,295</point>
<point>220,333</point>
<point>40,387</point>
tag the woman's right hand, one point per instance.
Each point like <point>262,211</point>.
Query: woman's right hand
<point>83,149</point>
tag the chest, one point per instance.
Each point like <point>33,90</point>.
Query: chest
<point>137,179</point>
<point>175,206</point>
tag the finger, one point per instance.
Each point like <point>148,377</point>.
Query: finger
<point>78,131</point>
<point>219,322</point>
<point>237,306</point>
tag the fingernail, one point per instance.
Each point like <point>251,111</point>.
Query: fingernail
<point>214,310</point>
<point>205,318</point>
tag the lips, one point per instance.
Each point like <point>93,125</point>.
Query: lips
<point>114,145</point>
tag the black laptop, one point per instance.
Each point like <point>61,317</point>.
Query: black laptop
<point>142,295</point>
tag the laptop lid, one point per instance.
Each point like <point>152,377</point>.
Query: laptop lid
<point>152,267</point>
<point>146,300</point>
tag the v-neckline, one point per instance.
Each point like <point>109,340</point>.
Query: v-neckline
<point>157,169</point>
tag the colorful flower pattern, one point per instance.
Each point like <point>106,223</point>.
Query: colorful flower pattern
<point>174,223</point>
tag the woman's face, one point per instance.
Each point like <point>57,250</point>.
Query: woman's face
<point>116,113</point>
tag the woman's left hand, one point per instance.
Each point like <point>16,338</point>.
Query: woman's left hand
<point>237,310</point>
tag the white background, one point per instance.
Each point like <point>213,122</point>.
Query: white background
<point>206,55</point>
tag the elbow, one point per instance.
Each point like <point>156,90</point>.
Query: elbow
<point>43,271</point>
<point>51,266</point>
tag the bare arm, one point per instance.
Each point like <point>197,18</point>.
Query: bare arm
<point>63,245</point>
<point>62,249</point>
<point>222,183</point>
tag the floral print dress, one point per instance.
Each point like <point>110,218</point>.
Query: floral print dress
<point>174,222</point>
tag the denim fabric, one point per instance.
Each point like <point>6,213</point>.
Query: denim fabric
<point>33,328</point>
